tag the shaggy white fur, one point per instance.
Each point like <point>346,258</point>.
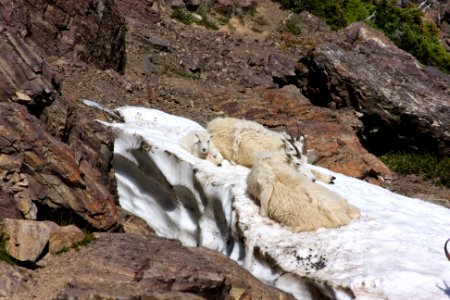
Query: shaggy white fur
<point>199,144</point>
<point>290,198</point>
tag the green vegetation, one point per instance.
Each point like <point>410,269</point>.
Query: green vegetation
<point>182,15</point>
<point>427,165</point>
<point>187,18</point>
<point>3,254</point>
<point>168,70</point>
<point>403,25</point>
<point>292,25</point>
<point>88,237</point>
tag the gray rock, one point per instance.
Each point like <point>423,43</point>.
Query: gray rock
<point>404,104</point>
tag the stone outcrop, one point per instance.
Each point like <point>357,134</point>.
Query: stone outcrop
<point>90,31</point>
<point>51,153</point>
<point>150,267</point>
<point>44,170</point>
<point>401,103</point>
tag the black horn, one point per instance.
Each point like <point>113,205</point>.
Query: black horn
<point>446,250</point>
<point>291,141</point>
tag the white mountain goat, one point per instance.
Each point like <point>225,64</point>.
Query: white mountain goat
<point>290,198</point>
<point>199,144</point>
<point>240,141</point>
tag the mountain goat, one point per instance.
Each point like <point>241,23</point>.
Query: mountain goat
<point>240,141</point>
<point>290,198</point>
<point>198,143</point>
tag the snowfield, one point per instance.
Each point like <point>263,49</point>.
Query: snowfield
<point>393,251</point>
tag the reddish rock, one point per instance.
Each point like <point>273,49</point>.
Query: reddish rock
<point>54,176</point>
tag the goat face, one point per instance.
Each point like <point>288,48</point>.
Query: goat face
<point>203,143</point>
<point>291,148</point>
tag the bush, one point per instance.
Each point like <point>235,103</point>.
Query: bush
<point>403,25</point>
<point>425,164</point>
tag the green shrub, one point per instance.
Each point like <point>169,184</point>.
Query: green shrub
<point>88,236</point>
<point>182,15</point>
<point>403,25</point>
<point>3,254</point>
<point>407,29</point>
<point>425,164</point>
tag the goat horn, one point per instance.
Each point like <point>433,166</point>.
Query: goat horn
<point>446,250</point>
<point>291,140</point>
<point>299,133</point>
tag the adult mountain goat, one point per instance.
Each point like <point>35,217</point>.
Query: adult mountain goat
<point>290,198</point>
<point>198,143</point>
<point>240,141</point>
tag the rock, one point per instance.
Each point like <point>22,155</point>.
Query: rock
<point>281,69</point>
<point>26,78</point>
<point>62,236</point>
<point>92,31</point>
<point>11,278</point>
<point>224,7</point>
<point>44,170</point>
<point>8,207</point>
<point>331,135</point>
<point>246,4</point>
<point>25,240</point>
<point>404,105</point>
<point>156,42</point>
<point>154,268</point>
<point>175,4</point>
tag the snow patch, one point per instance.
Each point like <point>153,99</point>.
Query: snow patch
<point>393,251</point>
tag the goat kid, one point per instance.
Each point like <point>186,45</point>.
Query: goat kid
<point>199,144</point>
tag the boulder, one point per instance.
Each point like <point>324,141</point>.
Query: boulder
<point>401,103</point>
<point>27,240</point>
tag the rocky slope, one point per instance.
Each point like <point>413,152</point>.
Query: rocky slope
<point>55,158</point>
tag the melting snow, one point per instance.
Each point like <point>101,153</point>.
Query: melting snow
<point>393,251</point>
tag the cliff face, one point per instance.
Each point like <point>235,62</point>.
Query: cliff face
<point>340,89</point>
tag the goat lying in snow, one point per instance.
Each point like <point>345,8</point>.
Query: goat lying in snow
<point>240,141</point>
<point>198,143</point>
<point>290,198</point>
